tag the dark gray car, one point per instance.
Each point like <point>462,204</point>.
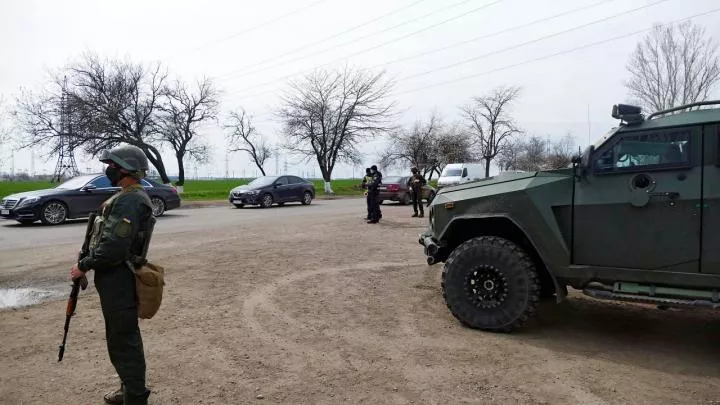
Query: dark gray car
<point>77,198</point>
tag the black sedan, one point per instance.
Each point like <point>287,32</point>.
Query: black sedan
<point>77,198</point>
<point>268,190</point>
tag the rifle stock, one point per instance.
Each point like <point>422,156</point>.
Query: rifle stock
<point>81,282</point>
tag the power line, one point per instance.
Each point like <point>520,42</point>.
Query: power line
<point>462,62</point>
<point>554,54</point>
<point>486,36</point>
<point>262,62</point>
<point>497,51</point>
<point>253,28</point>
<point>305,56</point>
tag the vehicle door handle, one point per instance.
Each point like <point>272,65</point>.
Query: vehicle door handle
<point>671,195</point>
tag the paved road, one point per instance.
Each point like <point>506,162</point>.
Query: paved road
<point>14,236</point>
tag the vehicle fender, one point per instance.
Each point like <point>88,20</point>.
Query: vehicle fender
<point>543,255</point>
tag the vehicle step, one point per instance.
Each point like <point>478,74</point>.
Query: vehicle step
<point>644,299</point>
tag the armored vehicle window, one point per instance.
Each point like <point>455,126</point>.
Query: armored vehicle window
<point>645,151</point>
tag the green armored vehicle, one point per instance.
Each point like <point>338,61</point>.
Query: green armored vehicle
<point>636,218</point>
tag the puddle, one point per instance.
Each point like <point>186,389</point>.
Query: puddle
<point>21,297</point>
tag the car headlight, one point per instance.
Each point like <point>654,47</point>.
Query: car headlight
<point>28,201</point>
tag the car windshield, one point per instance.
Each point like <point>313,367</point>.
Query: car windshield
<point>74,183</point>
<point>451,172</point>
<point>263,181</point>
<point>393,179</point>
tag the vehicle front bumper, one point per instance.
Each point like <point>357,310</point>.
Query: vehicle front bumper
<point>25,213</point>
<point>435,250</point>
<point>247,199</point>
<point>172,203</point>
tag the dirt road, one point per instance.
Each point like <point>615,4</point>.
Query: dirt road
<point>310,305</point>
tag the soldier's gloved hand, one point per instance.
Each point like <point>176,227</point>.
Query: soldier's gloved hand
<point>75,272</point>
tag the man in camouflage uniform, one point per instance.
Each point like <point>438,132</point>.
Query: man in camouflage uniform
<point>113,245</point>
<point>415,184</point>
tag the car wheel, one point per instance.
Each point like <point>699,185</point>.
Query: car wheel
<point>406,199</point>
<point>239,205</point>
<point>307,198</point>
<point>53,213</point>
<point>490,283</point>
<point>158,206</point>
<point>267,201</point>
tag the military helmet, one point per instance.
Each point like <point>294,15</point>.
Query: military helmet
<point>413,169</point>
<point>129,157</point>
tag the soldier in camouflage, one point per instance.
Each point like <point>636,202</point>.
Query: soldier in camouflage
<point>113,243</point>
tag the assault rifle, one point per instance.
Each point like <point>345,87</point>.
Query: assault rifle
<point>81,282</point>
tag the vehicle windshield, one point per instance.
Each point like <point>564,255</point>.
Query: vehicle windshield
<point>263,181</point>
<point>74,183</point>
<point>393,179</point>
<point>451,172</point>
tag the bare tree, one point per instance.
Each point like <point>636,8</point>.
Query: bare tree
<point>416,146</point>
<point>5,129</point>
<point>182,114</point>
<point>245,137</point>
<point>453,145</point>
<point>490,122</point>
<point>327,114</point>
<point>120,102</point>
<point>561,153</point>
<point>674,65</point>
<point>536,153</point>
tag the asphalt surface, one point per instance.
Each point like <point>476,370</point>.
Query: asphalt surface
<point>16,236</point>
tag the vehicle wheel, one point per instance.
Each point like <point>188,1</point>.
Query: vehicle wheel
<point>158,206</point>
<point>53,213</point>
<point>26,221</point>
<point>490,283</point>
<point>406,200</point>
<point>307,198</point>
<point>267,201</point>
<point>239,205</point>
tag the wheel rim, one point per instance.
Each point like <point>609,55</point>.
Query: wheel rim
<point>307,198</point>
<point>54,213</point>
<point>267,200</point>
<point>486,287</point>
<point>158,206</point>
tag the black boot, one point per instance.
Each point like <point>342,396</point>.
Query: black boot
<point>114,397</point>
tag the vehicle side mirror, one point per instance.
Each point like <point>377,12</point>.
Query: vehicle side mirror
<point>582,162</point>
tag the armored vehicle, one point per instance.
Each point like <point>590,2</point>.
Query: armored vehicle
<point>635,217</point>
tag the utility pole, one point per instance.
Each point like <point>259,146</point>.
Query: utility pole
<point>227,163</point>
<point>66,159</point>
<point>588,122</point>
<point>277,161</point>
<point>285,166</point>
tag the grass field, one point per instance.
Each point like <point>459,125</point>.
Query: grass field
<point>199,190</point>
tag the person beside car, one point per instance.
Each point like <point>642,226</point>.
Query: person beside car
<point>415,184</point>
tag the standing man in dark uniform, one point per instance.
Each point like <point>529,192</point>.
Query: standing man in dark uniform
<point>373,194</point>
<point>415,184</point>
<point>114,245</point>
<point>365,181</point>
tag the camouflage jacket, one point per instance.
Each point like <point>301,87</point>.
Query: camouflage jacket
<point>116,227</point>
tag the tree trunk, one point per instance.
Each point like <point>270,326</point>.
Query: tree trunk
<point>158,163</point>
<point>181,171</point>
<point>487,167</point>
<point>326,177</point>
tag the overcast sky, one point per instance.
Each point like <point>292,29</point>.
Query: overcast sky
<point>253,48</point>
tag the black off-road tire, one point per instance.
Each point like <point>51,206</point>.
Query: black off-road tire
<point>510,270</point>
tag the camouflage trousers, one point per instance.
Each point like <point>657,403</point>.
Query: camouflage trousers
<point>116,288</point>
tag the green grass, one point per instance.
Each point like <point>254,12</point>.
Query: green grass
<point>201,190</point>
<point>12,187</point>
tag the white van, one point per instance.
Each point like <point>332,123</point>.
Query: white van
<point>456,173</point>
